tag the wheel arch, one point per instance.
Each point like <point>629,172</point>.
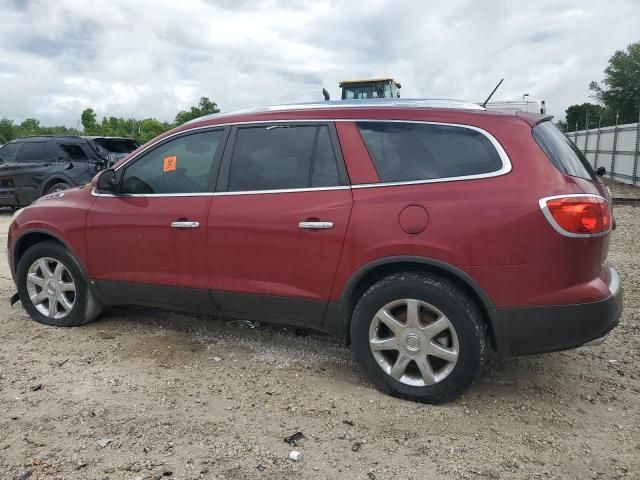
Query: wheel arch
<point>57,178</point>
<point>372,272</point>
<point>33,237</point>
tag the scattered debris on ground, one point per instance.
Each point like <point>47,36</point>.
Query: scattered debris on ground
<point>151,383</point>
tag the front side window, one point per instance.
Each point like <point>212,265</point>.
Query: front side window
<point>280,157</point>
<point>182,165</point>
<point>418,151</point>
<point>34,152</point>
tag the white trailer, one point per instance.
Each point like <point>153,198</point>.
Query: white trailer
<point>529,105</point>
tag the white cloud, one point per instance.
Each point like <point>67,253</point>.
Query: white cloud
<point>153,58</point>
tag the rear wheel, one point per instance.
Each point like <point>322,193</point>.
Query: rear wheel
<point>418,337</point>
<point>52,287</point>
<point>57,187</point>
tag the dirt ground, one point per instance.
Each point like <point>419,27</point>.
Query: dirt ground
<point>188,397</point>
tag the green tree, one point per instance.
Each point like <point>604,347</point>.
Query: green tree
<point>7,130</point>
<point>578,115</point>
<point>30,126</point>
<point>562,125</point>
<point>620,89</point>
<point>150,128</point>
<point>204,107</point>
<point>89,123</point>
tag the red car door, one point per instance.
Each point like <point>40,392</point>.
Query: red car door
<point>150,234</point>
<point>277,227</point>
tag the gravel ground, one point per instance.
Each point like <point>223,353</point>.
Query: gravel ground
<point>622,190</point>
<point>189,397</point>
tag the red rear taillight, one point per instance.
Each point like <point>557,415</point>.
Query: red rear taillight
<point>578,215</point>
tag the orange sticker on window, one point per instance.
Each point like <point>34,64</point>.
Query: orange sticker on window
<point>169,164</point>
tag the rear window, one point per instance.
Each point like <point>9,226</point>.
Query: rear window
<point>562,152</point>
<point>419,151</point>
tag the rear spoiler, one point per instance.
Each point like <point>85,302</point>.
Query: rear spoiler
<point>533,119</point>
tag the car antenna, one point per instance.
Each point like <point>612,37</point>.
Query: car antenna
<point>492,92</point>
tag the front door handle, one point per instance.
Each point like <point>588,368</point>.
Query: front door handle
<point>185,224</point>
<point>316,225</point>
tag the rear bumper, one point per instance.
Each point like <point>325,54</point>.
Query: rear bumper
<point>529,330</point>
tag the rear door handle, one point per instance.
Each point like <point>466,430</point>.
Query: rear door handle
<point>186,224</point>
<point>316,225</point>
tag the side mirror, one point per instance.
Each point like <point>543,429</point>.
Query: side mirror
<point>106,180</point>
<point>601,171</point>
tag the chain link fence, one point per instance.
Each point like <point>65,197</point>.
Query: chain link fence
<point>615,148</point>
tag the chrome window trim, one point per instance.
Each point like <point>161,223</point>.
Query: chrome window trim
<point>556,226</point>
<point>506,162</point>
<point>95,193</point>
<point>282,190</point>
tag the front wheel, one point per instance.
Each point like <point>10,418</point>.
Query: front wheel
<point>418,337</point>
<point>52,287</point>
<point>57,187</point>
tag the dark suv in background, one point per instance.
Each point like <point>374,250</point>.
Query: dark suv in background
<point>34,166</point>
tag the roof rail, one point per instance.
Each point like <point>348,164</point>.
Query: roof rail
<point>49,136</point>
<point>369,103</point>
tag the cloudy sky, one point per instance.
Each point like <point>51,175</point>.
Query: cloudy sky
<point>152,58</point>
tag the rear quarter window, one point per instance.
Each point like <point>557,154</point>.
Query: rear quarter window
<point>420,151</point>
<point>562,152</point>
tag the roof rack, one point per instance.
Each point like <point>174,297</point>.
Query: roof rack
<point>370,103</point>
<point>50,136</point>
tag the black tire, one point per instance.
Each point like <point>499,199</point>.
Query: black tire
<point>462,313</point>
<point>85,306</point>
<point>57,187</point>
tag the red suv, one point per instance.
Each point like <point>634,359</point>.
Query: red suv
<point>423,232</point>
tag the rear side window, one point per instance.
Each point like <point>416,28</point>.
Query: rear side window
<point>280,157</point>
<point>562,152</point>
<point>182,165</point>
<point>34,152</point>
<point>73,151</point>
<point>418,151</point>
<point>8,152</point>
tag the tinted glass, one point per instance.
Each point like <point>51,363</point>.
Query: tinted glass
<point>34,152</point>
<point>415,151</point>
<point>271,158</point>
<point>117,145</point>
<point>182,165</point>
<point>562,152</point>
<point>73,151</point>
<point>8,152</point>
<point>324,168</point>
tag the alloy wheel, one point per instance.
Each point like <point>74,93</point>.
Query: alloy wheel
<point>51,288</point>
<point>414,342</point>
